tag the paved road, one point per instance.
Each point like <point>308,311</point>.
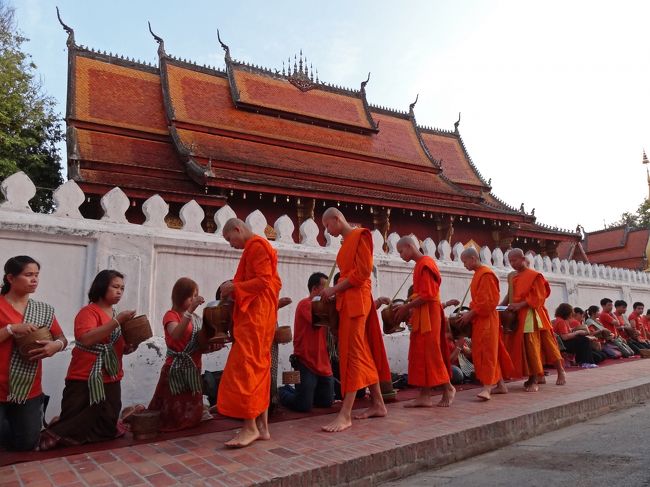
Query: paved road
<point>612,450</point>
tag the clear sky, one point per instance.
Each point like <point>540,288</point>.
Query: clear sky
<point>554,95</point>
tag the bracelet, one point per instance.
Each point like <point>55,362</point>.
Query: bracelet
<point>10,331</point>
<point>62,344</point>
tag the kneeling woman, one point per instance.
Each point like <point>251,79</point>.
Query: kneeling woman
<point>21,397</point>
<point>179,396</point>
<point>92,402</point>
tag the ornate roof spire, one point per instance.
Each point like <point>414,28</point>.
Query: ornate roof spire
<point>70,42</point>
<point>412,105</point>
<point>645,158</point>
<point>457,123</point>
<point>159,40</point>
<point>300,64</point>
<point>224,46</point>
<point>364,83</point>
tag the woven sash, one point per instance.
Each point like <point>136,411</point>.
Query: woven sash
<point>106,360</point>
<point>183,374</point>
<point>23,372</point>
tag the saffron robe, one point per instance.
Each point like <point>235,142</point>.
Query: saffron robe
<point>354,305</point>
<point>375,339</point>
<point>525,349</point>
<point>489,356</point>
<point>429,363</point>
<point>246,381</point>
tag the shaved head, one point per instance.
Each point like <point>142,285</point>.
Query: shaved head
<point>408,250</point>
<point>335,223</point>
<point>470,259</point>
<point>517,259</point>
<point>234,223</point>
<point>332,212</point>
<point>408,241</point>
<point>469,252</point>
<point>516,252</point>
<point>237,233</point>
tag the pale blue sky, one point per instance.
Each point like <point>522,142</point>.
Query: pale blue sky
<point>554,95</point>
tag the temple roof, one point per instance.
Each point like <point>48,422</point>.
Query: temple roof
<point>618,246</point>
<point>199,130</point>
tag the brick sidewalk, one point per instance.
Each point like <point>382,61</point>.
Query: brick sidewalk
<point>372,451</point>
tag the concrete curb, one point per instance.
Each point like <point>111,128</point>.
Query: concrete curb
<point>404,460</point>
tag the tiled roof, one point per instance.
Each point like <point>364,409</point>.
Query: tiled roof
<point>455,164</point>
<point>205,100</point>
<point>117,96</point>
<point>277,93</point>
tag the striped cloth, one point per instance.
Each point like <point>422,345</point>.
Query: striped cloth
<point>465,364</point>
<point>183,374</point>
<point>23,372</point>
<point>107,360</point>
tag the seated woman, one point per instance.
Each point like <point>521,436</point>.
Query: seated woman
<point>92,400</point>
<point>21,397</point>
<point>575,342</point>
<point>577,322</point>
<point>178,396</point>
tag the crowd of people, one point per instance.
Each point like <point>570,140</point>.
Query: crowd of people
<point>345,363</point>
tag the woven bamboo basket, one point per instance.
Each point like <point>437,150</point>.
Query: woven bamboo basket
<point>291,377</point>
<point>283,334</point>
<point>145,424</point>
<point>26,343</point>
<point>389,324</point>
<point>136,330</point>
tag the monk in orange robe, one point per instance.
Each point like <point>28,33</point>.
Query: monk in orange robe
<point>354,303</point>
<point>246,380</point>
<point>375,339</point>
<point>489,355</point>
<point>429,363</point>
<point>534,334</point>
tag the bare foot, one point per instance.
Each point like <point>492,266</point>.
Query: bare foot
<point>265,434</point>
<point>561,378</point>
<point>374,411</point>
<point>243,439</point>
<point>484,395</point>
<point>500,388</point>
<point>420,402</point>
<point>531,386</point>
<point>447,398</point>
<point>541,379</point>
<point>339,424</point>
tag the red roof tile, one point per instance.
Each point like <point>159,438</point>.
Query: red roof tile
<point>455,164</point>
<point>205,100</point>
<point>260,90</point>
<point>117,96</point>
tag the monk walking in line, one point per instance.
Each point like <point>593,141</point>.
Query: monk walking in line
<point>354,303</point>
<point>528,290</point>
<point>429,363</point>
<point>246,380</point>
<point>488,352</point>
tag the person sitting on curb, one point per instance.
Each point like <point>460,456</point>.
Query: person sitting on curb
<point>310,357</point>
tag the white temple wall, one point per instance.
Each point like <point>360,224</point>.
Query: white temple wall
<point>72,250</point>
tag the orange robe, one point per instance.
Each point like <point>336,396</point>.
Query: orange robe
<point>246,380</point>
<point>375,339</point>
<point>429,363</point>
<point>526,348</point>
<point>356,363</point>
<point>489,356</point>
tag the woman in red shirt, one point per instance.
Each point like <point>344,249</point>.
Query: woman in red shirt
<point>179,396</point>
<point>575,341</point>
<point>92,402</point>
<point>21,396</point>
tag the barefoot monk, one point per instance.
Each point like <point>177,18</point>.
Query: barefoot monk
<point>429,364</point>
<point>246,380</point>
<point>354,303</point>
<point>488,352</point>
